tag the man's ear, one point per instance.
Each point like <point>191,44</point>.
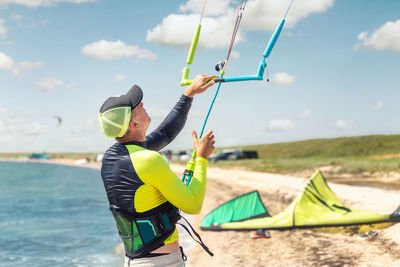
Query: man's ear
<point>133,124</point>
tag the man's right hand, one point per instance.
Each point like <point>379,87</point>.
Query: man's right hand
<point>205,146</point>
<point>199,84</point>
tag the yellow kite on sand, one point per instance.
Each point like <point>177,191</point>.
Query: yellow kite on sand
<point>316,207</point>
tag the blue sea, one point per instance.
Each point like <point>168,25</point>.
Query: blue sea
<point>55,215</point>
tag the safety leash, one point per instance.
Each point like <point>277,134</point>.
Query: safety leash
<point>198,236</point>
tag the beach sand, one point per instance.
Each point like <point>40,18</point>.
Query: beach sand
<point>289,248</point>
<point>296,247</point>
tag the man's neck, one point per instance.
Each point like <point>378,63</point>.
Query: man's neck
<point>134,137</point>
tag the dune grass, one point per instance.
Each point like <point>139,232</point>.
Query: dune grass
<point>375,153</point>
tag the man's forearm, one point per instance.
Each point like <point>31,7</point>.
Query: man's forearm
<point>171,125</point>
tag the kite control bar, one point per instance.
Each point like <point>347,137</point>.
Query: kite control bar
<point>222,66</point>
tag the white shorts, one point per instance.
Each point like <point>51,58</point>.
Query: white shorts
<point>170,260</point>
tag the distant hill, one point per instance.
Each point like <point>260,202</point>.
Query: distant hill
<point>357,155</point>
<point>358,146</point>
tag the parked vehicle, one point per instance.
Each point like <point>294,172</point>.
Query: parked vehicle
<point>234,154</point>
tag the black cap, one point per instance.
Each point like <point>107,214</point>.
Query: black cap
<point>131,99</point>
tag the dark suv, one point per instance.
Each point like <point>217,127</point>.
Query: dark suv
<point>234,155</point>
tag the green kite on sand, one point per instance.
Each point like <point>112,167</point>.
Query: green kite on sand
<point>316,207</point>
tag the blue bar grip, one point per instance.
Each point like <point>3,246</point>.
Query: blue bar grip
<point>243,78</point>
<point>261,68</point>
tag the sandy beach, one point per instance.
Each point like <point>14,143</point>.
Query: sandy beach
<point>299,247</point>
<point>289,248</point>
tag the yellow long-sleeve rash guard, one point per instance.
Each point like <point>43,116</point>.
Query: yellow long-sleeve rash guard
<point>161,184</point>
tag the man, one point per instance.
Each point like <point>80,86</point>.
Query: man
<point>144,194</point>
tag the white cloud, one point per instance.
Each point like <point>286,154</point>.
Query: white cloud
<point>3,111</point>
<point>90,126</point>
<point>266,14</point>
<point>378,106</point>
<point>213,7</point>
<point>70,85</point>
<point>17,17</point>
<point>27,22</point>
<point>6,62</point>
<point>157,112</point>
<point>37,3</point>
<point>34,129</point>
<point>280,125</point>
<point>5,127</point>
<point>11,124</point>
<point>21,123</point>
<point>178,29</point>
<point>120,77</point>
<point>344,125</point>
<point>49,84</point>
<point>387,37</point>
<point>283,78</point>
<point>26,65</point>
<point>235,55</point>
<point>106,50</point>
<point>78,142</point>
<point>30,143</point>
<point>6,140</point>
<point>3,29</point>
<point>304,114</point>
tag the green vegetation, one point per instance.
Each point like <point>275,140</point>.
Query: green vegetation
<point>74,155</point>
<point>13,155</point>
<point>375,153</point>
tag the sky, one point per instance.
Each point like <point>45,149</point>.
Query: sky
<point>333,72</point>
